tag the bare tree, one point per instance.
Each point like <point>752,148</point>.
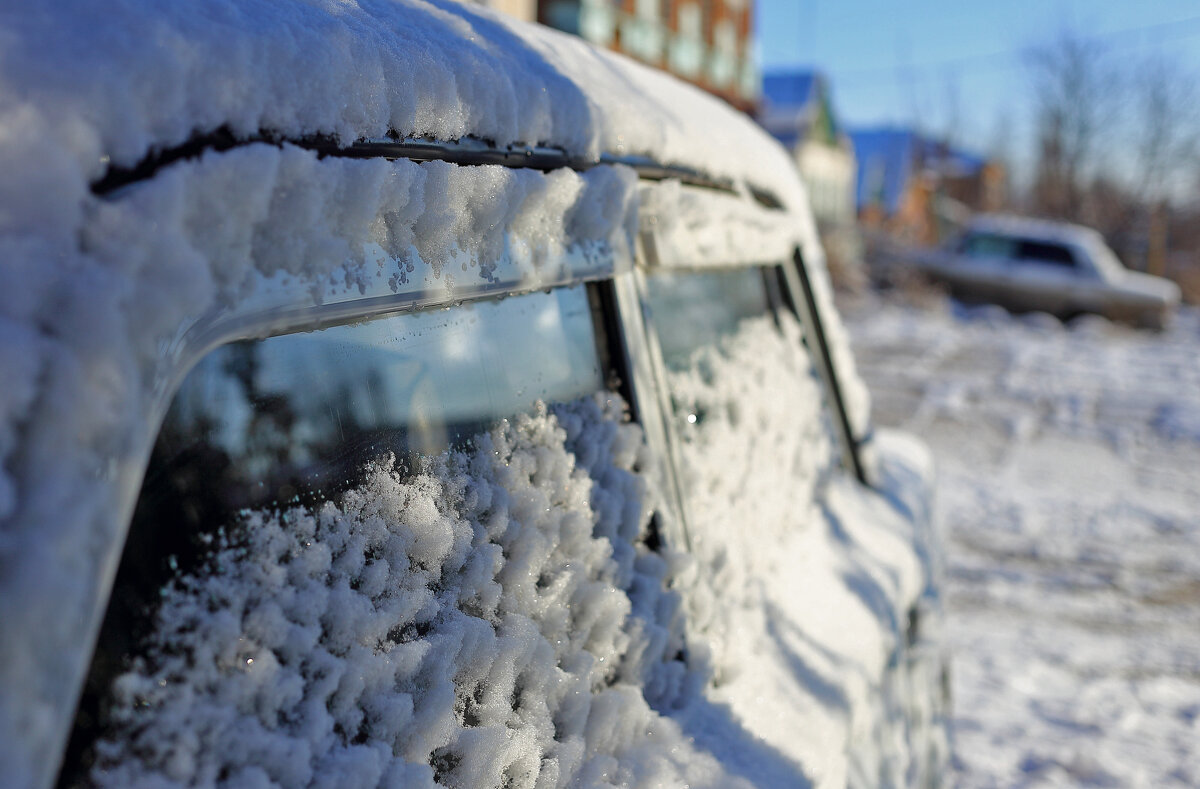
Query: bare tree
<point>952,111</point>
<point>1000,153</point>
<point>1165,136</point>
<point>1077,98</point>
<point>1166,126</point>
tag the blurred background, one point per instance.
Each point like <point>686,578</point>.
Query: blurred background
<point>1079,111</point>
<point>905,118</point>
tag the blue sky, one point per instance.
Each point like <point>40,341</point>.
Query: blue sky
<point>958,63</point>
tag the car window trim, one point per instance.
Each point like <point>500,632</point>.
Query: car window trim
<point>467,151</point>
<point>650,393</point>
<point>799,292</point>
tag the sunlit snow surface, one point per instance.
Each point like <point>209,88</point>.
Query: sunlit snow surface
<point>1069,463</point>
<point>797,583</point>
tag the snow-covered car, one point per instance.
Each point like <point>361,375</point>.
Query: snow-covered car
<point>399,395</point>
<point>1055,267</point>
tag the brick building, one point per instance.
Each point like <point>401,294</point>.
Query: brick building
<point>709,43</point>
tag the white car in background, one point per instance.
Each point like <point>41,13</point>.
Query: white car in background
<point>1030,265</point>
<point>396,394</point>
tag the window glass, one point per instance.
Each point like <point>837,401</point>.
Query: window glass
<point>986,245</point>
<point>294,418</point>
<point>752,442</point>
<point>746,404</point>
<point>294,415</point>
<point>695,310</point>
<point>1044,252</point>
<point>288,422</point>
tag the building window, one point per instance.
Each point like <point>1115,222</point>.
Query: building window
<point>722,65</point>
<point>686,56</point>
<point>598,21</point>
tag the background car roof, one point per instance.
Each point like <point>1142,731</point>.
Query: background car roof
<point>1037,229</point>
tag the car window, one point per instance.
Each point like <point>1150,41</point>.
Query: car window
<point>293,421</point>
<point>696,310</point>
<point>291,418</point>
<point>988,245</point>
<point>745,401</point>
<point>1044,252</point>
<point>751,435</point>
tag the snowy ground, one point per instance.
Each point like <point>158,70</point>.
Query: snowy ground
<point>1069,490</point>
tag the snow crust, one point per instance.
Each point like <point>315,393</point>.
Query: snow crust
<point>1067,486</point>
<point>676,222</point>
<point>679,220</point>
<point>120,78</point>
<point>488,621</point>
<point>280,226</point>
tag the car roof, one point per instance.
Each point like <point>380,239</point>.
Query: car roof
<point>1034,229</point>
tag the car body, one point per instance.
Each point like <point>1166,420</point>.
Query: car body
<point>1055,267</point>
<point>399,394</point>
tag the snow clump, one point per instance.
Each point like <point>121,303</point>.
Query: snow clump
<point>468,625</point>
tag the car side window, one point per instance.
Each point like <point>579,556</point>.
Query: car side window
<point>260,430</point>
<point>988,245</point>
<point>1045,253</point>
<point>752,440</point>
<point>696,310</point>
<point>293,418</point>
<point>746,405</point>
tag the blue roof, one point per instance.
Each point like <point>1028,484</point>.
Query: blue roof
<point>790,89</point>
<point>888,157</point>
<point>885,162</point>
<point>792,101</point>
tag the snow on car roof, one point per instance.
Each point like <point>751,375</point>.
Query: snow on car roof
<point>120,80</point>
